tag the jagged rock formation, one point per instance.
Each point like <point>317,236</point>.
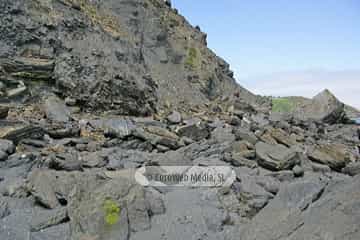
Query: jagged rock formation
<point>324,107</point>
<point>136,57</point>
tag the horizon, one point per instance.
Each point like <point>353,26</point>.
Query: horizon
<point>298,42</point>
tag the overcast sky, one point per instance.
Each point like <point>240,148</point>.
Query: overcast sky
<point>285,47</point>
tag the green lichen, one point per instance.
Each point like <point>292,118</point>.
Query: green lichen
<point>112,211</point>
<point>191,59</point>
<point>282,105</point>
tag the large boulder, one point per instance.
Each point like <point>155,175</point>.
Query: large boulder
<point>309,210</point>
<point>335,156</point>
<point>275,157</point>
<point>56,110</point>
<point>323,107</point>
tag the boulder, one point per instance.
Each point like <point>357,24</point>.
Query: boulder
<point>196,131</point>
<point>275,157</point>
<point>281,137</point>
<point>7,146</point>
<point>56,110</point>
<point>174,117</point>
<point>48,219</point>
<point>114,127</point>
<point>352,169</point>
<point>158,136</point>
<point>17,131</point>
<point>298,171</point>
<point>3,112</point>
<point>42,189</point>
<point>323,107</point>
<point>62,130</point>
<point>67,161</point>
<point>109,211</point>
<point>309,210</point>
<point>223,134</point>
<point>4,208</point>
<point>95,159</point>
<point>243,134</point>
<point>336,156</point>
<point>3,156</point>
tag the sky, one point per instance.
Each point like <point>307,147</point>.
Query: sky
<point>283,47</point>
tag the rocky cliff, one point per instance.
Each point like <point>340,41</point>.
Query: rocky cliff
<point>134,57</point>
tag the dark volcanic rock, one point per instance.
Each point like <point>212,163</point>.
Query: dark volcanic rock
<point>306,211</point>
<point>106,55</point>
<point>196,131</point>
<point>3,111</point>
<point>16,131</point>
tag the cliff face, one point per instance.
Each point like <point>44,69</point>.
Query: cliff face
<point>135,57</point>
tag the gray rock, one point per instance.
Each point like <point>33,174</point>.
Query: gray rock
<point>7,146</point>
<point>4,111</point>
<point>270,184</point>
<point>114,127</point>
<point>174,117</point>
<point>316,167</point>
<point>61,130</point>
<point>283,176</point>
<point>95,159</point>
<point>108,211</point>
<point>56,110</point>
<point>3,156</point>
<point>68,161</point>
<point>275,157</point>
<point>158,136</point>
<point>48,219</point>
<point>223,134</point>
<point>243,134</point>
<point>298,171</point>
<point>58,232</point>
<point>336,156</point>
<point>155,201</point>
<point>190,214</point>
<point>126,81</point>
<point>4,208</point>
<point>42,189</point>
<point>323,107</point>
<point>352,169</point>
<point>281,137</point>
<point>196,131</point>
<point>307,210</point>
<point>16,131</point>
<point>15,188</point>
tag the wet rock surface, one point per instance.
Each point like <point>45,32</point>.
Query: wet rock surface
<point>74,90</point>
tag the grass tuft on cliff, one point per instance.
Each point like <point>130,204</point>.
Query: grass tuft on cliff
<point>282,105</point>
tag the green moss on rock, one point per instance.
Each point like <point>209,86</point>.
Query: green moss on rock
<point>192,58</point>
<point>112,212</point>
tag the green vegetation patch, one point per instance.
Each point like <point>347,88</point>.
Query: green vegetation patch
<point>283,105</point>
<point>192,58</point>
<point>112,212</point>
<point>32,75</point>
